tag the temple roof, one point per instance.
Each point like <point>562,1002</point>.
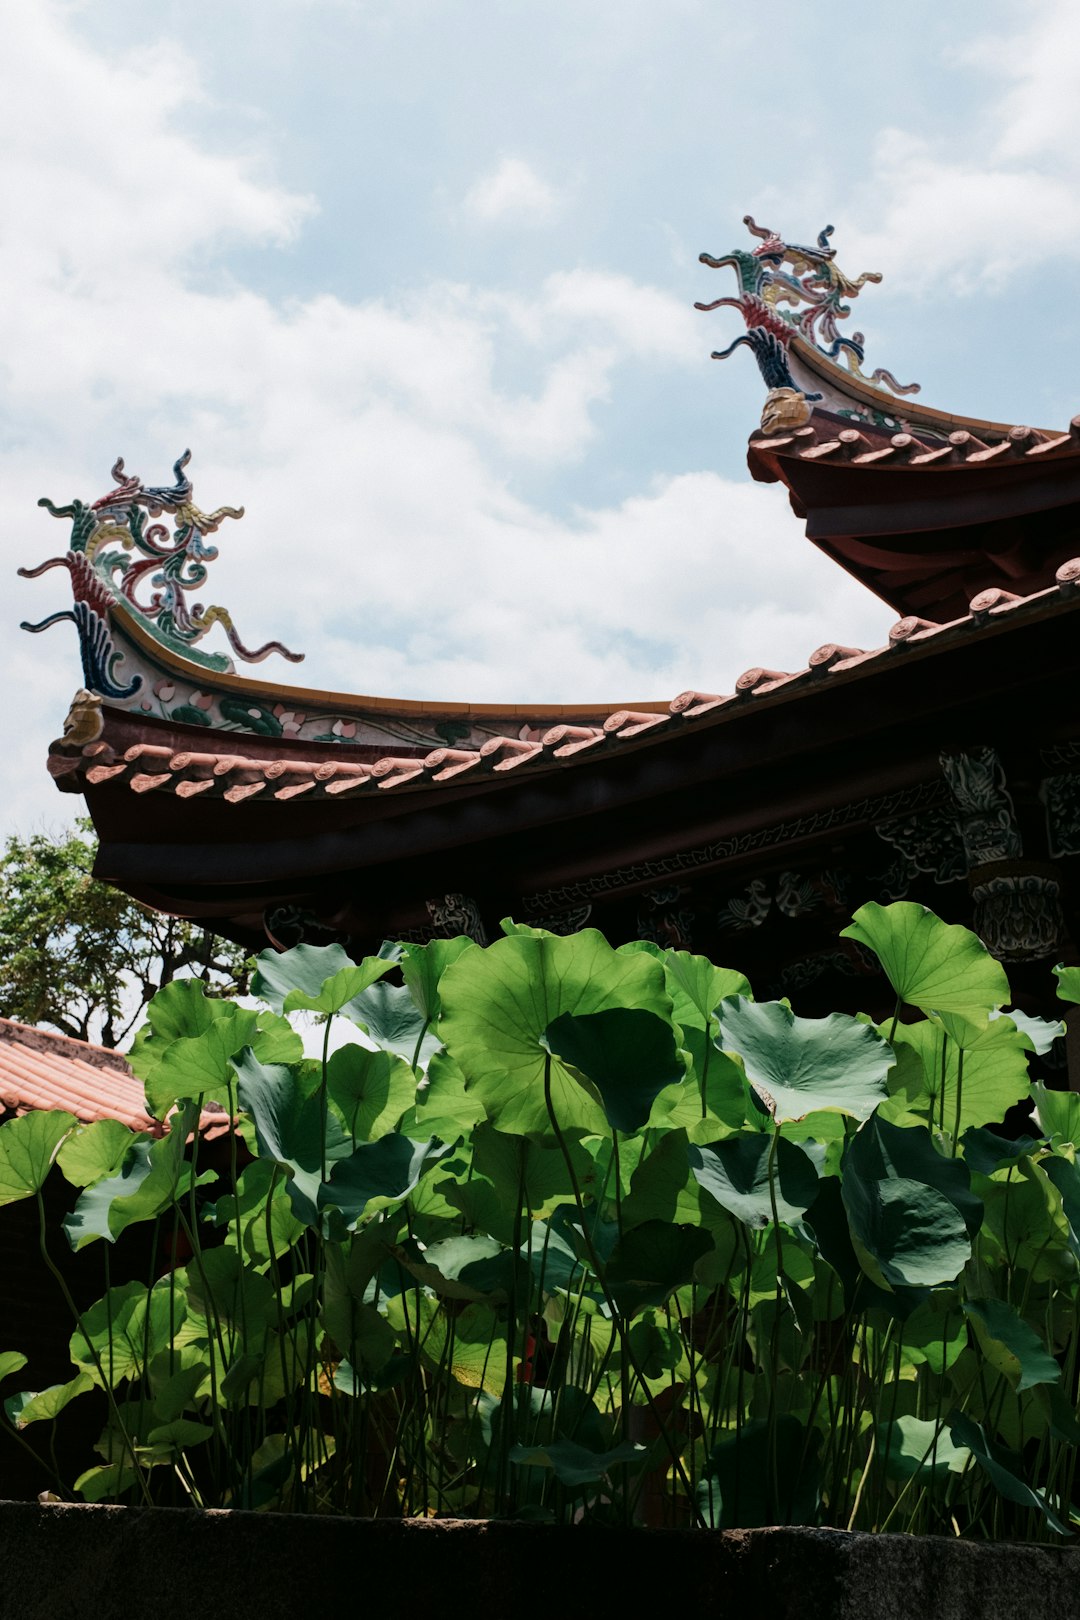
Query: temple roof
<point>925,507</point>
<point>230,828</point>
<point>241,802</point>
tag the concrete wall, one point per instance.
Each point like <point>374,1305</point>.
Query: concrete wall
<point>102,1563</point>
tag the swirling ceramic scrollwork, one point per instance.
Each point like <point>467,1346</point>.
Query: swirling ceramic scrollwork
<point>115,559</point>
<point>789,290</point>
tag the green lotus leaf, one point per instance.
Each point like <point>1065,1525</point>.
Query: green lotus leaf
<point>736,1173</point>
<point>650,1262</point>
<point>199,1065</point>
<point>422,967</point>
<point>985,1151</point>
<point>1011,1345</point>
<point>498,1003</point>
<point>1058,1114</point>
<point>574,1465</point>
<point>183,1012</point>
<point>292,1128</point>
<point>182,1008</point>
<point>36,1406</point>
<point>370,1342</point>
<point>1064,1173</point>
<point>995,1072</point>
<point>259,1227</point>
<point>1059,1412</point>
<point>827,1222</point>
<point>93,1151</point>
<point>658,1350</point>
<point>371,1090</point>
<point>221,1288</point>
<point>764,1474</point>
<point>350,1272</point>
<point>629,1055</point>
<point>472,1344</point>
<point>1026,1222</point>
<point>1000,1467</point>
<point>882,1149</point>
<point>11,1362</point>
<point>179,1435</point>
<point>557,1263</point>
<point>797,1065</point>
<point>662,1188</point>
<point>697,987</point>
<point>106,1480</point>
<point>935,1334</point>
<point>377,1174</point>
<point>1068,983</point>
<point>525,1174</point>
<point>442,1106</point>
<point>317,978</point>
<point>152,1175</point>
<point>919,1448</point>
<point>911,1210</point>
<point>797,1268</point>
<point>1041,1032</point>
<point>275,1040</point>
<point>28,1146</point>
<point>472,1266</point>
<point>388,1013</point>
<point>932,965</point>
<point>727,1096</point>
<point>127,1328</point>
<point>176,1377</point>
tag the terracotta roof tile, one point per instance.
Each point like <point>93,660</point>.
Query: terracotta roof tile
<point>865,448</point>
<point>764,680</point>
<point>580,745</point>
<point>41,1070</point>
<point>240,777</point>
<point>905,630</point>
<point>983,605</point>
<point>557,737</point>
<point>822,659</point>
<point>692,704</point>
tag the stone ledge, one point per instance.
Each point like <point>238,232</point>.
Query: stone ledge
<point>106,1563</point>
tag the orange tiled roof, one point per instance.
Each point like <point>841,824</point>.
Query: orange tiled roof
<point>41,1070</point>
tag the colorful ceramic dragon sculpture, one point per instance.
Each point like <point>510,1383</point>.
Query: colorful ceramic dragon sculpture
<point>816,293</point>
<point>113,557</point>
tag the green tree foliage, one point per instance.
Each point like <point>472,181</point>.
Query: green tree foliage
<point>84,958</point>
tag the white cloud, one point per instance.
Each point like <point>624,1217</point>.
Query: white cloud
<point>513,193</point>
<point>1003,196</point>
<point>380,447</point>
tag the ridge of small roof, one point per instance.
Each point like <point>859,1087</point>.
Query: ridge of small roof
<point>40,1069</point>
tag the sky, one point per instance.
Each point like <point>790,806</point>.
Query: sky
<point>414,281</point>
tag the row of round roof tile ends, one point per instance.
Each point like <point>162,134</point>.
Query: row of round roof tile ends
<point>238,777</point>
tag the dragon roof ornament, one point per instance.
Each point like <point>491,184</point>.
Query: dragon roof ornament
<point>787,291</point>
<point>115,560</point>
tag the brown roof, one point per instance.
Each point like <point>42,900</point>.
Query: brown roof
<point>41,1070</point>
<point>929,522</point>
<point>287,770</point>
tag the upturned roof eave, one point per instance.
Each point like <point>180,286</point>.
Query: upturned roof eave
<point>172,663</point>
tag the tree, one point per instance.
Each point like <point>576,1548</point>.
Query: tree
<point>80,956</point>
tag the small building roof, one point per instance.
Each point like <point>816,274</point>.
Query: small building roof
<point>41,1070</point>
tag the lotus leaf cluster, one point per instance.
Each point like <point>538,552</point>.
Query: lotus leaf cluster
<point>561,1231</point>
